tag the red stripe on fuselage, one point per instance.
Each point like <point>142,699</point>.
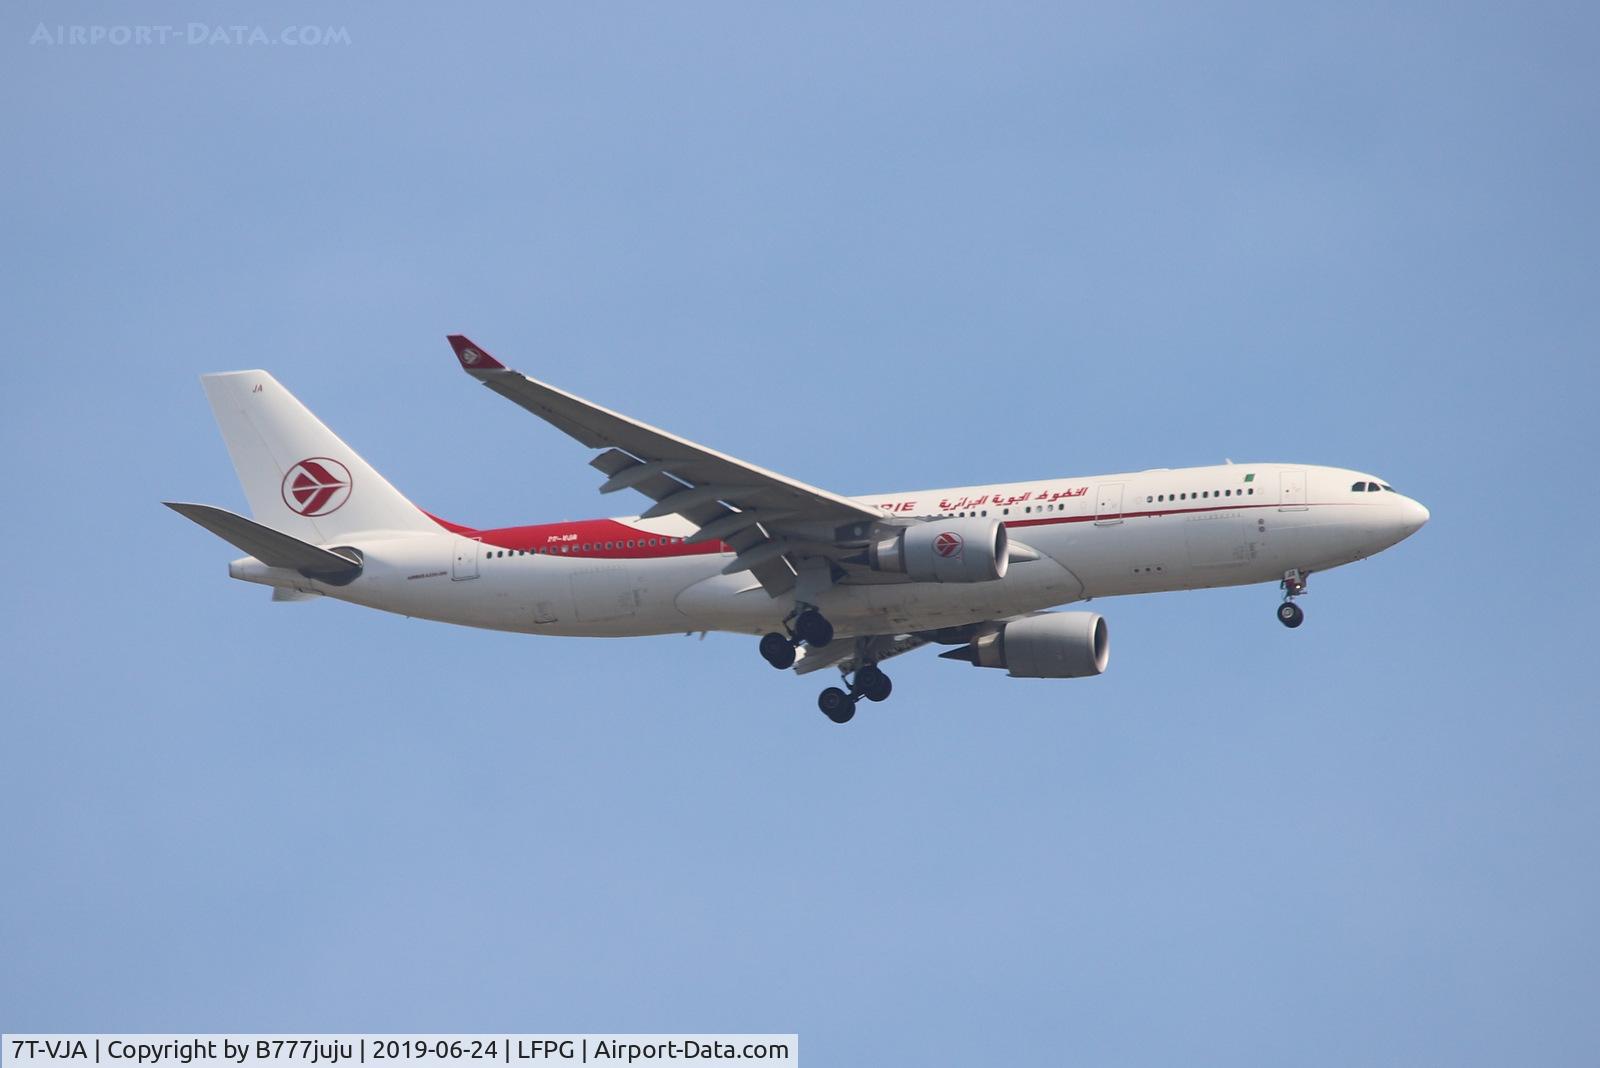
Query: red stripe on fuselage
<point>1039,521</point>
<point>610,540</point>
<point>603,539</point>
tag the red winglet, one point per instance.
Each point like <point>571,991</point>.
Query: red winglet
<point>472,357</point>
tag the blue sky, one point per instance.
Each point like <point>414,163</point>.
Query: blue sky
<point>875,249</point>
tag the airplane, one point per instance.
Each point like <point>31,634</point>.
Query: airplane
<point>826,581</point>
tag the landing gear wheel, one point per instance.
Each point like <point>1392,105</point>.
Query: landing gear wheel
<point>873,684</point>
<point>1290,614</point>
<point>836,705</point>
<point>813,628</point>
<point>777,650</point>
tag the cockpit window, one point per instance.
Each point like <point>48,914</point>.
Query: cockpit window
<point>1372,487</point>
<point>1388,487</point>
<point>1358,487</point>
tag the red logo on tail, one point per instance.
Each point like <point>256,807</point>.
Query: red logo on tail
<point>316,486</point>
<point>947,544</point>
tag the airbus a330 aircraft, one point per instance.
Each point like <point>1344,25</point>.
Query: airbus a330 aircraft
<point>828,581</point>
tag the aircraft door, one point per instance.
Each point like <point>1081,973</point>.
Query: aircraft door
<point>466,562</point>
<point>1108,504</point>
<point>1293,494</point>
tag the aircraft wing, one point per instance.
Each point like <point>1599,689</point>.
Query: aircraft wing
<point>769,520</point>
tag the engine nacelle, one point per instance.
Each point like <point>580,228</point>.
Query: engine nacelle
<point>1058,645</point>
<point>944,550</point>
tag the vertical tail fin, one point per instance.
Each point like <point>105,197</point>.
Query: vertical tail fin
<point>298,476</point>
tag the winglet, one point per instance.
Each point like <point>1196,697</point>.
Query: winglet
<point>472,357</point>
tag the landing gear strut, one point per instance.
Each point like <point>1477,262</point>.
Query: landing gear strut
<point>869,682</point>
<point>1294,584</point>
<point>810,626</point>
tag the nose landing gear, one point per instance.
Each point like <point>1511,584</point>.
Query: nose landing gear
<point>869,682</point>
<point>1294,584</point>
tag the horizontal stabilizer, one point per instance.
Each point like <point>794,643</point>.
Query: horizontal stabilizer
<point>271,547</point>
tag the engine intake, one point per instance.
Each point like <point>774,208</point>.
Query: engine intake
<point>943,550</point>
<point>1058,645</point>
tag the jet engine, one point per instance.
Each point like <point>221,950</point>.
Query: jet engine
<point>943,550</point>
<point>1056,645</point>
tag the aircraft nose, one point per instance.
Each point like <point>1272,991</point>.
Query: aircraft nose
<point>1414,516</point>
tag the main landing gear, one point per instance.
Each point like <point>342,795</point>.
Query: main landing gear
<point>1294,584</point>
<point>869,682</point>
<point>810,626</point>
<point>813,628</point>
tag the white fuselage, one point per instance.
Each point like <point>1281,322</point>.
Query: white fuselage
<point>1100,536</point>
